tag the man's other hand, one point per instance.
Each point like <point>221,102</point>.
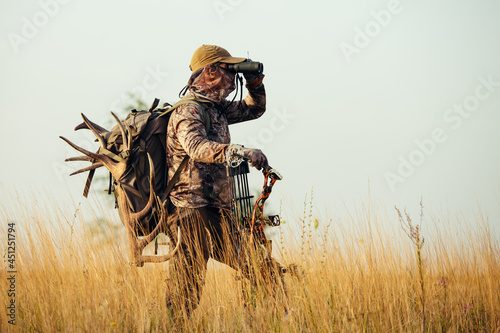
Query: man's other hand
<point>256,158</point>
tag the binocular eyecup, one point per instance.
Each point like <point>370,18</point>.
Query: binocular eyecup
<point>253,67</point>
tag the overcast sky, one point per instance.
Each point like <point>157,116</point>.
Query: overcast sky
<point>399,99</point>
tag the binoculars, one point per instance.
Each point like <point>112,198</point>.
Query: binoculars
<point>247,67</point>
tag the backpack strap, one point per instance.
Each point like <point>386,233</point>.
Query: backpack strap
<point>175,177</point>
<point>154,105</point>
<point>196,100</point>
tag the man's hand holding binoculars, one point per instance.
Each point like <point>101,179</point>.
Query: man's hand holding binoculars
<point>251,70</point>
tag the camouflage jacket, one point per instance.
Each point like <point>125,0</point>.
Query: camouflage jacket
<point>204,181</point>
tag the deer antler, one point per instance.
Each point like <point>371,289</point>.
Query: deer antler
<point>79,158</point>
<point>117,168</point>
<point>92,167</point>
<point>97,127</point>
<point>124,134</point>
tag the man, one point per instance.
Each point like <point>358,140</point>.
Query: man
<point>201,198</point>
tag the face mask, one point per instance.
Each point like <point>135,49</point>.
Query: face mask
<point>216,88</point>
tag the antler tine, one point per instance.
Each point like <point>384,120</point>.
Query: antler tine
<point>81,150</point>
<point>91,167</point>
<point>152,194</point>
<point>136,246</point>
<point>147,239</point>
<point>129,142</point>
<point>165,257</point>
<point>94,130</point>
<point>125,139</point>
<point>97,127</point>
<point>79,158</point>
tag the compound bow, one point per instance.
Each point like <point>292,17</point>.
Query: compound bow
<point>252,219</point>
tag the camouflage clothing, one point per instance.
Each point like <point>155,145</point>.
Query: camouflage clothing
<point>204,181</point>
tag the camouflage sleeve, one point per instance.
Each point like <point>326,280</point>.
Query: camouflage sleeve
<point>188,123</point>
<point>252,107</point>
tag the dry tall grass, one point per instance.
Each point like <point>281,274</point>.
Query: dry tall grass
<point>360,273</point>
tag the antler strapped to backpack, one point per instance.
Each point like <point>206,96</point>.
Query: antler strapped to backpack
<point>141,200</point>
<point>117,165</point>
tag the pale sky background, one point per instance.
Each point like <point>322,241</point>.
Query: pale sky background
<point>334,123</point>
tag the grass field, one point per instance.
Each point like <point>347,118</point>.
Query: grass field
<point>368,272</point>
